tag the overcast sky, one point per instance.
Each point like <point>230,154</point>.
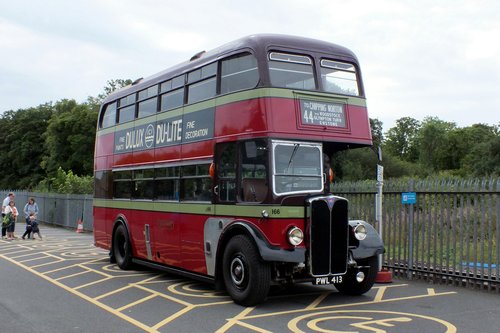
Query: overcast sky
<point>418,58</point>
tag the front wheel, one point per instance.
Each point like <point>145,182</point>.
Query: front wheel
<point>122,252</point>
<point>246,276</point>
<point>351,286</point>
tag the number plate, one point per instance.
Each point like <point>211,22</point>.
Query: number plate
<point>328,279</point>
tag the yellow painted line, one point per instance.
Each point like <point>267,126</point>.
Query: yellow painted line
<point>252,327</point>
<point>214,303</point>
<point>380,294</point>
<point>33,259</point>
<point>82,266</point>
<point>116,291</point>
<point>18,250</point>
<point>71,275</point>
<point>318,300</point>
<point>139,301</point>
<point>94,282</point>
<point>293,324</point>
<point>88,299</point>
<point>47,263</point>
<point>173,317</point>
<point>150,280</point>
<point>28,254</point>
<point>185,285</point>
<point>235,320</point>
<point>59,269</point>
<point>113,292</point>
<point>349,305</point>
<point>176,300</point>
<point>401,317</point>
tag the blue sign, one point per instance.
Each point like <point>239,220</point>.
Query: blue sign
<point>408,198</point>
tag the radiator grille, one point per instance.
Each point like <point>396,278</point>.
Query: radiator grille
<point>328,230</point>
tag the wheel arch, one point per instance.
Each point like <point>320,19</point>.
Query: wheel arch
<point>120,219</point>
<point>234,229</point>
<point>372,245</point>
<point>267,252</point>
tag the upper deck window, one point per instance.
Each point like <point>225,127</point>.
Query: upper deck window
<point>149,92</point>
<point>238,73</point>
<point>127,100</point>
<point>174,96</point>
<point>126,114</point>
<point>291,71</point>
<point>339,77</point>
<point>147,107</point>
<point>202,83</point>
<point>109,117</point>
<point>126,111</point>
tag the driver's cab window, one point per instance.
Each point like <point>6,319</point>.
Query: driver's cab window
<point>253,170</point>
<point>242,171</point>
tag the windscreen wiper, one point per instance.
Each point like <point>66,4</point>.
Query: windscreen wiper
<point>296,146</point>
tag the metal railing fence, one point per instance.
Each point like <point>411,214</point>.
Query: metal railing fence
<point>451,234</point>
<point>58,209</point>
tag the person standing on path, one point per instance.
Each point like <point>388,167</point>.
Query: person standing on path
<point>5,203</point>
<point>11,212</point>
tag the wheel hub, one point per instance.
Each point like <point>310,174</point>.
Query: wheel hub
<point>237,271</point>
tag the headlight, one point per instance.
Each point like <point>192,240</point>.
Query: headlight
<point>360,232</point>
<point>295,236</point>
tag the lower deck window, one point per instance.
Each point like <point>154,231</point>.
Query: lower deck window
<point>188,183</point>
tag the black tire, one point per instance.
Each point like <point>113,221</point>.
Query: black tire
<point>122,252</point>
<point>112,259</point>
<point>246,276</point>
<point>352,287</point>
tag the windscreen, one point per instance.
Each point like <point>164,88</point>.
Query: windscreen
<point>297,167</point>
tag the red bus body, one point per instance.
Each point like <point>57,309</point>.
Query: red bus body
<point>188,233</point>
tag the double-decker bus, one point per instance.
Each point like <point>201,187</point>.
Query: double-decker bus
<point>219,169</point>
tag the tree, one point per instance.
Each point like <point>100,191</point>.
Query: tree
<point>69,138</point>
<point>482,158</point>
<point>22,148</point>
<point>111,86</point>
<point>376,131</point>
<point>432,143</point>
<point>401,140</point>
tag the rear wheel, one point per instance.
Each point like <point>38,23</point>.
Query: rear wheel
<point>351,286</point>
<point>122,252</point>
<point>246,276</point>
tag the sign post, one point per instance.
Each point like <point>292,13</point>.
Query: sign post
<point>378,206</point>
<point>383,275</point>
<point>409,198</point>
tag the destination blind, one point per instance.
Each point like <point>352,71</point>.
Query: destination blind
<point>322,113</point>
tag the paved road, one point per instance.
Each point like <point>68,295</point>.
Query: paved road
<point>64,284</point>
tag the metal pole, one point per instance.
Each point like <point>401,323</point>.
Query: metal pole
<point>378,207</point>
<point>410,235</point>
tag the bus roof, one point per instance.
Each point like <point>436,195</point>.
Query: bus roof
<point>259,43</point>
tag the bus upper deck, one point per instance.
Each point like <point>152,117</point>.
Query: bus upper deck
<point>261,85</point>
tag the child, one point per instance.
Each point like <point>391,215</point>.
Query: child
<point>28,227</point>
<point>34,227</point>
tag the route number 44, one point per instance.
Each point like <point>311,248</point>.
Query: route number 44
<point>308,117</point>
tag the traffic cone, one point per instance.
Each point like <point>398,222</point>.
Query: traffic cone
<point>79,227</point>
